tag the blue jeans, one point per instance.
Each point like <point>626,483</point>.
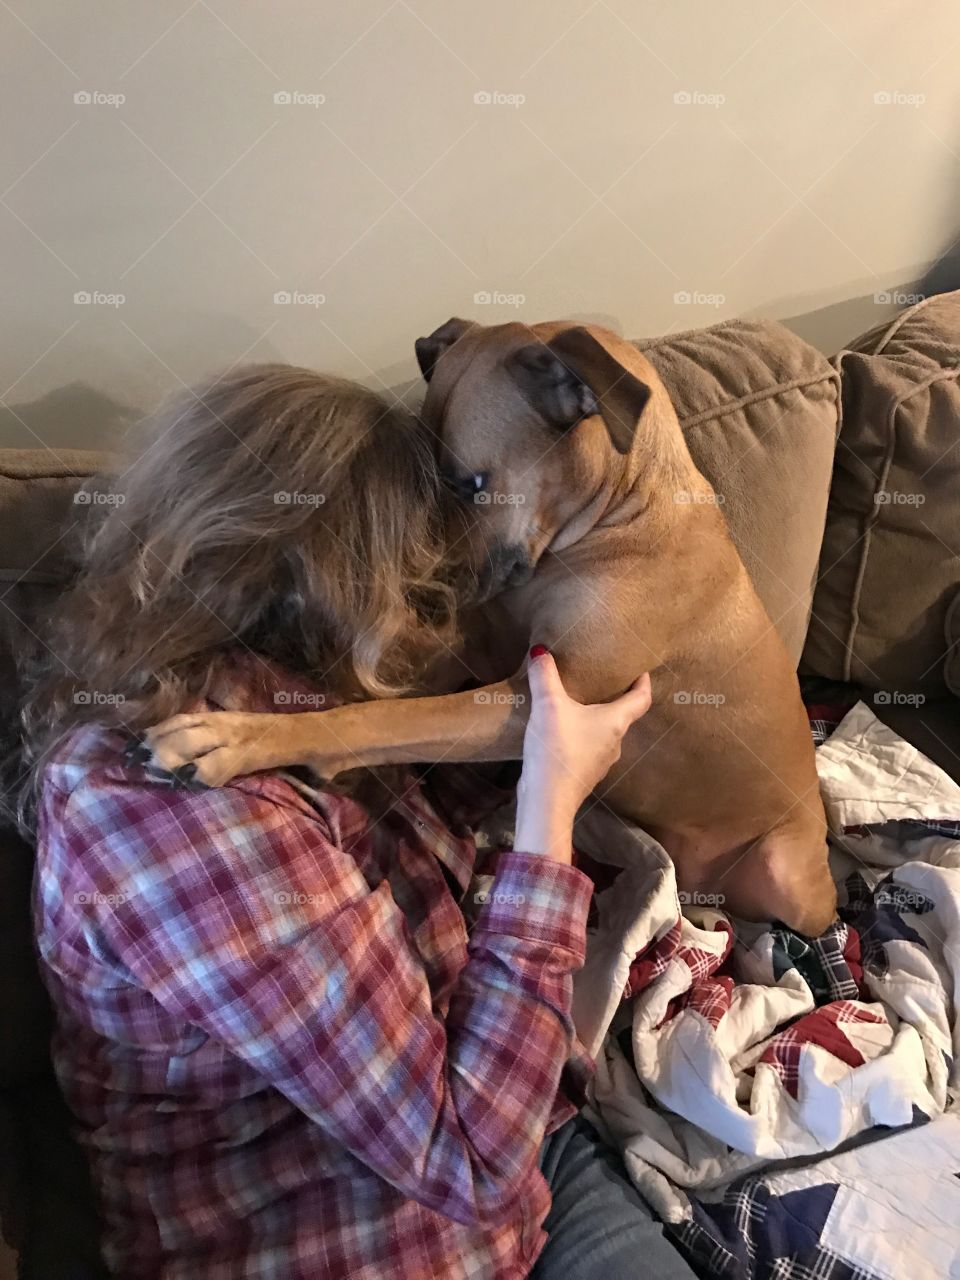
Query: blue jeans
<point>599,1224</point>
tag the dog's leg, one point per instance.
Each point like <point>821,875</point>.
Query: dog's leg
<point>784,876</point>
<point>481,724</point>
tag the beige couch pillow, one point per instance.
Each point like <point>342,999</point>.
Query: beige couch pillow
<point>890,565</point>
<point>760,408</point>
<point>39,510</point>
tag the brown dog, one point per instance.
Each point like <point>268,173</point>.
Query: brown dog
<point>599,538</point>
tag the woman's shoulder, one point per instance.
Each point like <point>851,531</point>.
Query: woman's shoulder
<point>93,772</point>
<point>87,749</point>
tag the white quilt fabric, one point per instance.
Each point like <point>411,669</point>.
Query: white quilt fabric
<point>740,1048</point>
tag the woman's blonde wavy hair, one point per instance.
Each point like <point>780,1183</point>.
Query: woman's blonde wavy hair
<point>274,509</point>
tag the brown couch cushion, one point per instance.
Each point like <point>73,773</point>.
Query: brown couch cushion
<point>951,670</point>
<point>37,510</point>
<point>45,1195</point>
<point>760,410</point>
<point>37,515</point>
<point>890,564</point>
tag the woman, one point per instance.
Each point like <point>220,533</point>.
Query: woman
<point>286,1056</point>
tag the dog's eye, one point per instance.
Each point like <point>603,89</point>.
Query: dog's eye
<point>467,487</point>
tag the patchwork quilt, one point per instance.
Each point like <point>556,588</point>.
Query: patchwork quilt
<point>786,1104</point>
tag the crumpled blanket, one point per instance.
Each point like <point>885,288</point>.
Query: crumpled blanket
<point>726,1050</point>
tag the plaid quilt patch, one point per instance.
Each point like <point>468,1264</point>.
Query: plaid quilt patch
<point>753,1233</point>
<point>767,1072</point>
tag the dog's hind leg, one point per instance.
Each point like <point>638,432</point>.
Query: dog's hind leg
<point>782,876</point>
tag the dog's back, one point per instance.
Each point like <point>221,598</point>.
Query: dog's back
<point>633,569</point>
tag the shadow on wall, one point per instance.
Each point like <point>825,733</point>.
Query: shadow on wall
<point>831,327</point>
<point>71,417</point>
<point>78,416</point>
<point>944,275</point>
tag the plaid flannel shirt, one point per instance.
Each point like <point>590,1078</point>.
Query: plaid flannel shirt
<point>286,1055</point>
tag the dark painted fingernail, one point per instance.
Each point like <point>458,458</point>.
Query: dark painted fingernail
<point>538,651</point>
<point>137,753</point>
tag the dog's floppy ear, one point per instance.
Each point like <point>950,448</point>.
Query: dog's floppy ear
<point>572,377</point>
<point>429,350</point>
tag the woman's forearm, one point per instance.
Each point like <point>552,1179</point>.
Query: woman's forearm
<point>544,823</point>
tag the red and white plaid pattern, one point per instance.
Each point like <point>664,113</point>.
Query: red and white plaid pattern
<point>831,1027</point>
<point>287,1057</point>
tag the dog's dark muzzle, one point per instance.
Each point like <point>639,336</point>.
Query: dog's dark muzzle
<point>507,566</point>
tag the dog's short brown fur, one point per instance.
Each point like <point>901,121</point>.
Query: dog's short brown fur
<point>594,534</point>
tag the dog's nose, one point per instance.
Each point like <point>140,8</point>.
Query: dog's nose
<point>508,565</point>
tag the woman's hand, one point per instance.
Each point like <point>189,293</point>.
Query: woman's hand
<point>567,749</point>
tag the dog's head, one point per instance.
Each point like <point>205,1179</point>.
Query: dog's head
<point>533,424</point>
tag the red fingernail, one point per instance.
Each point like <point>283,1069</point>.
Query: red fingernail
<point>538,651</point>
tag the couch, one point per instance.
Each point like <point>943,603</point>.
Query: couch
<point>840,481</point>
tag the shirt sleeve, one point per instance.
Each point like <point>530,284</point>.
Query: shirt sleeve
<point>239,915</point>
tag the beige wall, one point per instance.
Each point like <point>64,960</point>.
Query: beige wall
<point>585,188</point>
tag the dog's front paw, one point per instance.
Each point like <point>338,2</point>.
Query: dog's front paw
<point>210,748</point>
